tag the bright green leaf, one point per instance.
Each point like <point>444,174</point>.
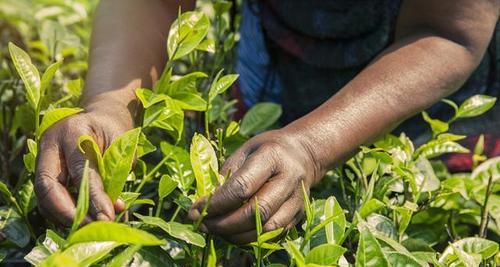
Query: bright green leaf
<point>180,231</point>
<point>475,106</point>
<point>166,186</point>
<point>326,254</point>
<point>53,116</point>
<point>111,231</point>
<point>186,33</point>
<point>118,159</point>
<point>82,206</point>
<point>28,72</point>
<point>203,160</point>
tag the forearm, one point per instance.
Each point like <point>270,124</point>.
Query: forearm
<point>408,77</point>
<point>128,50</point>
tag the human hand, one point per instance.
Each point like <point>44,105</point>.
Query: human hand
<point>60,166</point>
<point>270,168</point>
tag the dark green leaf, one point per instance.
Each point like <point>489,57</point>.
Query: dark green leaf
<point>260,117</point>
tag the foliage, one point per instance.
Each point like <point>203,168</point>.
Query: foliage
<point>392,204</point>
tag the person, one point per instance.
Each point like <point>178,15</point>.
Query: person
<point>345,71</point>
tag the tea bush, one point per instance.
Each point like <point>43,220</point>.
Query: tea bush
<point>392,204</point>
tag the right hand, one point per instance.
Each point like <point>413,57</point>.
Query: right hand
<point>60,166</point>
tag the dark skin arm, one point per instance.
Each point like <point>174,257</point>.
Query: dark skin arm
<point>438,45</point>
<point>127,51</point>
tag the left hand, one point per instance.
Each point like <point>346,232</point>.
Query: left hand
<point>270,167</point>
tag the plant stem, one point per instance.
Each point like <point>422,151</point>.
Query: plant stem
<point>176,212</point>
<point>151,173</point>
<point>158,207</point>
<point>483,226</point>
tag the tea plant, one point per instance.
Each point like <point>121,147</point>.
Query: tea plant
<point>392,204</point>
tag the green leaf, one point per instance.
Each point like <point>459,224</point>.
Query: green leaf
<point>207,45</point>
<point>269,235</point>
<point>381,226</point>
<point>335,229</point>
<point>307,206</point>
<point>89,253</point>
<point>370,206</point>
<point>4,190</point>
<point>118,159</point>
<point>212,256</point>
<point>13,227</point>
<point>369,252</point>
<point>470,245</point>
<point>180,231</point>
<point>59,260</point>
<point>258,220</point>
<point>53,116</point>
<point>148,98</point>
<point>166,186</point>
<point>190,101</point>
<point>295,253</point>
<point>437,126</point>
<point>475,106</point>
<point>144,147</point>
<point>152,256</point>
<point>203,160</point>
<point>28,73</point>
<point>397,259</point>
<point>439,148</point>
<point>166,115</point>
<point>111,231</point>
<point>179,165</point>
<point>326,254</point>
<point>186,83</point>
<point>260,117</point>
<point>220,85</point>
<point>27,197</point>
<point>82,206</point>
<point>129,198</point>
<point>91,151</point>
<point>186,33</point>
<point>491,167</point>
<point>124,257</point>
<point>48,75</point>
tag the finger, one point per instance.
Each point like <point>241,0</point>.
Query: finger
<point>54,201</point>
<point>242,239</point>
<point>234,162</point>
<point>119,206</point>
<point>287,216</point>
<point>100,205</point>
<point>242,185</point>
<point>270,197</point>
